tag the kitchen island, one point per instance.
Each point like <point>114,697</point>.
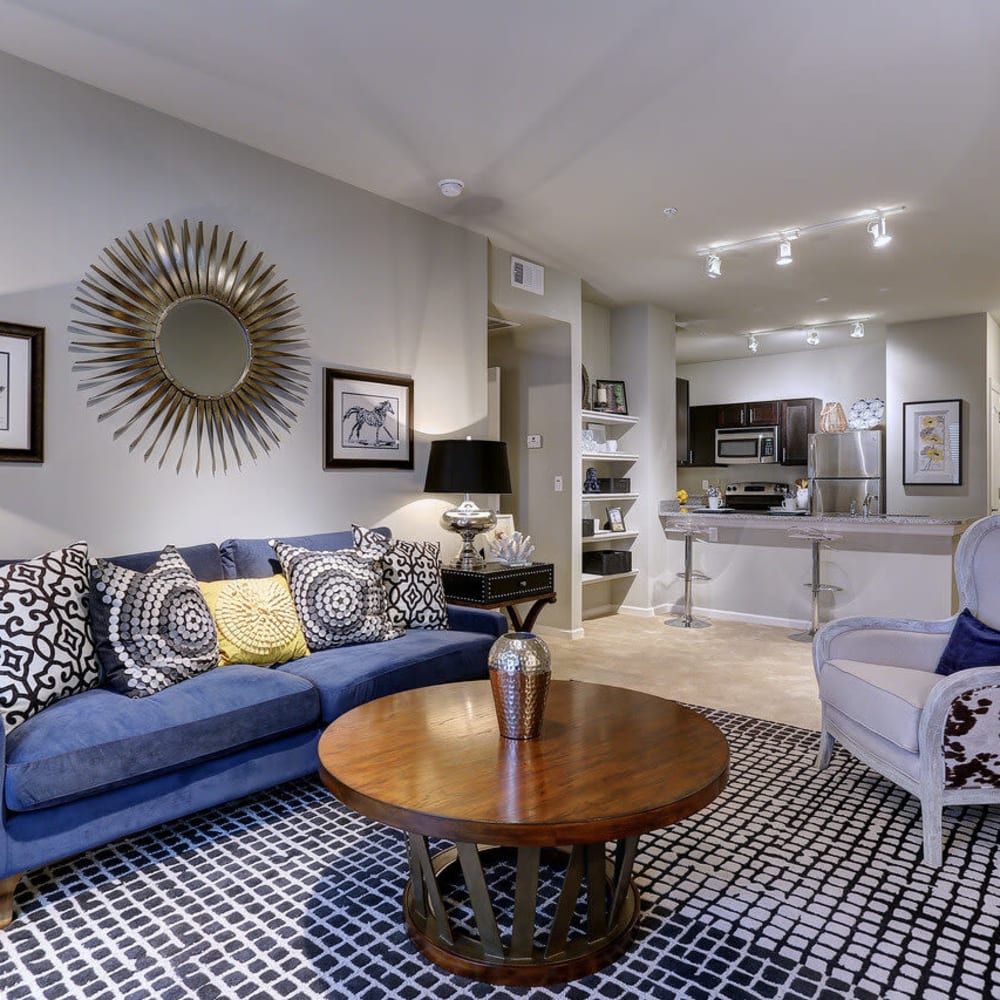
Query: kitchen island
<point>885,565</point>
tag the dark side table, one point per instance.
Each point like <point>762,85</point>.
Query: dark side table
<point>497,585</point>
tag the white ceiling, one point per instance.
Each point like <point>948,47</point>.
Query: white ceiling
<point>575,122</point>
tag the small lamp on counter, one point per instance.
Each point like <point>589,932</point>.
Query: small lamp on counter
<point>468,466</point>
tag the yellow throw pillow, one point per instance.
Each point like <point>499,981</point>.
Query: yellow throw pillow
<point>256,621</point>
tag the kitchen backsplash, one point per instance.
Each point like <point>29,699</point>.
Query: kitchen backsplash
<point>690,479</point>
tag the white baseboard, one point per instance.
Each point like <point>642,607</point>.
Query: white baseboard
<point>732,616</point>
<point>565,633</point>
<point>636,611</point>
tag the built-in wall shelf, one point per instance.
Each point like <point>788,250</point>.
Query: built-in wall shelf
<point>609,456</point>
<point>607,536</point>
<point>610,496</point>
<point>603,417</point>
<point>588,578</point>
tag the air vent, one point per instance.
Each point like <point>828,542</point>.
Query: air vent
<point>494,323</point>
<point>527,276</point>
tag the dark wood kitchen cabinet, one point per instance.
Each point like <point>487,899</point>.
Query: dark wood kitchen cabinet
<point>702,421</point>
<point>683,427</point>
<point>798,421</point>
<point>761,414</point>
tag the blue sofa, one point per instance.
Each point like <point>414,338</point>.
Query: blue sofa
<point>99,765</point>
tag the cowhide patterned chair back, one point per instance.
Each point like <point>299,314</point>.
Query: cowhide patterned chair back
<point>936,735</point>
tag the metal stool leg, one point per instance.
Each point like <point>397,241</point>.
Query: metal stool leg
<point>817,588</point>
<point>687,620</point>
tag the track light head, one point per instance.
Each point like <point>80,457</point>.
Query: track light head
<point>784,253</point>
<point>857,330</point>
<point>877,229</point>
<point>813,338</point>
<point>753,345</point>
<point>713,265</point>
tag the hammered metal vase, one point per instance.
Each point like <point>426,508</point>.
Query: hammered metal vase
<point>519,677</point>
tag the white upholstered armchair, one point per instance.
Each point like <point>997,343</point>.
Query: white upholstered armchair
<point>936,736</point>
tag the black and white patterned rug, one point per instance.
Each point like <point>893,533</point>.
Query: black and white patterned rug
<point>791,884</point>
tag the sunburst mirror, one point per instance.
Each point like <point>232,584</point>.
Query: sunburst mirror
<point>192,350</point>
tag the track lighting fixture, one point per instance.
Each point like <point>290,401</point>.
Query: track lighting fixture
<point>813,339</point>
<point>876,228</point>
<point>857,330</point>
<point>874,217</point>
<point>753,345</point>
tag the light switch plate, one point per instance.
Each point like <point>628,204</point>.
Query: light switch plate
<point>534,440</point>
<point>557,484</point>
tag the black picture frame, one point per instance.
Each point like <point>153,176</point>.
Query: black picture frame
<point>932,442</point>
<point>616,519</point>
<point>22,393</point>
<point>367,420</point>
<point>617,402</point>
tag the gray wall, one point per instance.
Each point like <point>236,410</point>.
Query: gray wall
<point>379,287</point>
<point>939,359</point>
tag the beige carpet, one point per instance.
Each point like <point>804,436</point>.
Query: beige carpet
<point>750,669</point>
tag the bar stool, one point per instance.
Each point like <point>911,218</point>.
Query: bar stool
<point>685,528</point>
<point>818,539</point>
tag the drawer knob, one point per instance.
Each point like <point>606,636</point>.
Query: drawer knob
<point>522,583</point>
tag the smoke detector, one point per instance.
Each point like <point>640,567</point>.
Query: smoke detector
<point>451,187</point>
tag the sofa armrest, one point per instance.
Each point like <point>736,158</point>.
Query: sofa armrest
<point>897,642</point>
<point>462,619</point>
<point>959,727</point>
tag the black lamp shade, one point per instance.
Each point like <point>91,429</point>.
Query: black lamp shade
<point>463,466</point>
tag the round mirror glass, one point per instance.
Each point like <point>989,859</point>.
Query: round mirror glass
<point>203,347</point>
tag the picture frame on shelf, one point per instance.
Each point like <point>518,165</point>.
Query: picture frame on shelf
<point>616,519</point>
<point>613,394</point>
<point>367,420</point>
<point>22,392</point>
<point>932,443</point>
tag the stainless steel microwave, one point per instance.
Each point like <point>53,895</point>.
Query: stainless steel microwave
<point>746,445</point>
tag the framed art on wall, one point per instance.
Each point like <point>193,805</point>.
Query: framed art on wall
<point>616,520</point>
<point>932,443</point>
<point>22,392</point>
<point>367,420</point>
<point>610,394</point>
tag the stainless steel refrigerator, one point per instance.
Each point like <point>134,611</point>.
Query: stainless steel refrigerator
<point>844,469</point>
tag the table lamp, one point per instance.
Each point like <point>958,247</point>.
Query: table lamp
<point>468,466</point>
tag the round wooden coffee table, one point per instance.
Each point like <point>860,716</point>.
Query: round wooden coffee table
<point>546,901</point>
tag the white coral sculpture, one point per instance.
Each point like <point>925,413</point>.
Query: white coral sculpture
<point>512,549</point>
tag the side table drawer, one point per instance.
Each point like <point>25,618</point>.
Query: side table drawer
<point>496,582</point>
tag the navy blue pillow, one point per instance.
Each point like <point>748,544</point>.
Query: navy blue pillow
<point>972,644</point>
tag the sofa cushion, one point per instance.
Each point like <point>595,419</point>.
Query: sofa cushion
<point>352,675</point>
<point>151,629</point>
<point>46,646</point>
<point>204,560</point>
<point>885,700</point>
<point>412,578</point>
<point>246,557</point>
<point>256,620</point>
<point>100,740</point>
<point>339,596</point>
<point>972,643</point>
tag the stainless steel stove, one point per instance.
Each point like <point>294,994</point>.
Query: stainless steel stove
<point>755,495</point>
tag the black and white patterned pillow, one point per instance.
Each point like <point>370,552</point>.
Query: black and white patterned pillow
<point>412,578</point>
<point>46,646</point>
<point>152,629</point>
<point>339,596</point>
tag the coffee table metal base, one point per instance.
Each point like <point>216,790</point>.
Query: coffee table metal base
<point>529,955</point>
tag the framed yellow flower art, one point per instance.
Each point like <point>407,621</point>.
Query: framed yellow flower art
<point>932,443</point>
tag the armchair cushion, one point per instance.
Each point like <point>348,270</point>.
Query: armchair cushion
<point>972,644</point>
<point>885,700</point>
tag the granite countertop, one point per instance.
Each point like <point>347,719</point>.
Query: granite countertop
<point>696,511</point>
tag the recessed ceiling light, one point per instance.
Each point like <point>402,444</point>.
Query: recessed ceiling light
<point>823,298</point>
<point>813,339</point>
<point>451,187</point>
<point>670,211</point>
<point>713,265</point>
<point>784,254</point>
<point>857,330</point>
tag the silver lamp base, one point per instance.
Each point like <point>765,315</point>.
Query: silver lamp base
<point>468,520</point>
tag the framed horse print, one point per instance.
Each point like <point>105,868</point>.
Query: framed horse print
<point>367,420</point>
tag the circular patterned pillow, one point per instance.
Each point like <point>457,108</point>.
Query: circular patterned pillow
<point>256,621</point>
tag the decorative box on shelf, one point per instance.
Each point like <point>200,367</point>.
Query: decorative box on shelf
<point>607,561</point>
<point>496,583</point>
<point>614,484</point>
